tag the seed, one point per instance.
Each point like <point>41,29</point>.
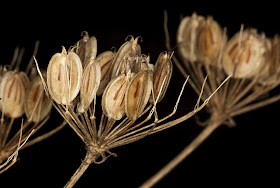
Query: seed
<point>12,93</point>
<point>104,60</point>
<point>37,105</point>
<point>244,54</point>
<point>127,52</point>
<point>186,36</point>
<point>209,41</point>
<point>138,93</point>
<point>87,48</point>
<point>89,85</point>
<point>64,76</point>
<point>162,75</point>
<point>114,95</point>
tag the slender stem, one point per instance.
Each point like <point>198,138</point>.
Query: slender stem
<point>89,158</point>
<point>182,155</point>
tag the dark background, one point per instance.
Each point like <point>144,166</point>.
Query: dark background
<point>245,154</point>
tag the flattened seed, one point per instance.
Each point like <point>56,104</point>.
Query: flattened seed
<point>89,85</point>
<point>104,60</point>
<point>138,94</point>
<point>113,97</point>
<point>163,69</point>
<point>37,105</point>
<point>129,49</point>
<point>64,77</point>
<point>12,92</point>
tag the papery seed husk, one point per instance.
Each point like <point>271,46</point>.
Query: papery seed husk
<point>89,85</point>
<point>186,36</point>
<point>64,77</point>
<point>138,94</point>
<point>12,93</point>
<point>162,75</point>
<point>129,49</point>
<point>113,104</point>
<point>37,105</point>
<point>244,55</point>
<point>104,60</point>
<point>209,41</point>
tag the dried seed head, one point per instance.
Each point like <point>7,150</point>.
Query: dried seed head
<point>138,93</point>
<point>104,60</point>
<point>244,54</point>
<point>37,105</point>
<point>162,75</point>
<point>12,93</point>
<point>186,36</point>
<point>89,85</point>
<point>127,52</point>
<point>114,95</point>
<point>209,41</point>
<point>64,76</point>
<point>87,48</point>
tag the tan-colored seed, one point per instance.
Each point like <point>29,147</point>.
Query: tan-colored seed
<point>37,105</point>
<point>104,60</point>
<point>89,85</point>
<point>138,94</point>
<point>87,48</point>
<point>186,36</point>
<point>114,95</point>
<point>64,76</point>
<point>162,75</point>
<point>127,52</point>
<point>12,93</point>
<point>244,54</point>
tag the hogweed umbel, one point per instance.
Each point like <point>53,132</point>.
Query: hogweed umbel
<point>251,59</point>
<point>131,88</point>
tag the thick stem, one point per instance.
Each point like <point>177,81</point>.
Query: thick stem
<point>182,155</point>
<point>89,158</point>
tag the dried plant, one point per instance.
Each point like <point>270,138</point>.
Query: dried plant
<point>251,59</point>
<point>130,87</point>
<point>19,96</point>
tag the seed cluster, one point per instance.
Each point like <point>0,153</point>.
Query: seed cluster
<point>129,84</point>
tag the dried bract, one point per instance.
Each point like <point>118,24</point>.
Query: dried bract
<point>64,75</point>
<point>244,54</point>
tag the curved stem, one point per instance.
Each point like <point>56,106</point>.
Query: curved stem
<point>89,158</point>
<point>182,155</point>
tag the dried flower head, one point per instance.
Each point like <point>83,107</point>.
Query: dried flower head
<point>131,87</point>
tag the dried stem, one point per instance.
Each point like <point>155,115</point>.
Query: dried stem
<point>89,158</point>
<point>182,155</point>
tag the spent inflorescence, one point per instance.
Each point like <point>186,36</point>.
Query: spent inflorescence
<point>129,87</point>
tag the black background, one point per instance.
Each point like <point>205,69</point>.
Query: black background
<point>245,154</point>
